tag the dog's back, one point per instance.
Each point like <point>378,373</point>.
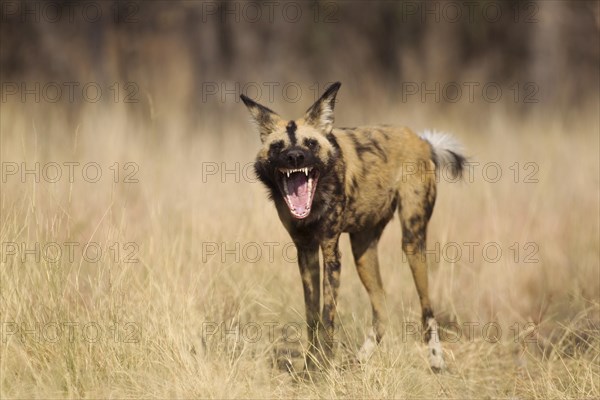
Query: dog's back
<point>385,165</point>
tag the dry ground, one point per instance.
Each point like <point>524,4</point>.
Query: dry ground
<point>195,316</point>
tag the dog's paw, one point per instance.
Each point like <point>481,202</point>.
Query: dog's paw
<point>367,349</point>
<point>434,348</point>
<point>436,357</point>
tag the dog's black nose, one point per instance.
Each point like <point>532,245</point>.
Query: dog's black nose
<point>295,158</point>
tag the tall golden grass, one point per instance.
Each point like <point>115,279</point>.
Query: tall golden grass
<point>195,316</point>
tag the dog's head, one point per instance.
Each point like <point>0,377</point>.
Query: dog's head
<point>296,154</point>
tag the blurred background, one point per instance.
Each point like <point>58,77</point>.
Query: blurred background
<point>141,98</point>
<point>197,57</point>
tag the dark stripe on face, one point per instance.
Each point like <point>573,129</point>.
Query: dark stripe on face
<point>291,131</point>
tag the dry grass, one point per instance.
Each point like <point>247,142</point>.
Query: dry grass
<point>163,306</point>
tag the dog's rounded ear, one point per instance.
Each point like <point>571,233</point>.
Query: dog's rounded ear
<point>265,118</point>
<point>320,114</point>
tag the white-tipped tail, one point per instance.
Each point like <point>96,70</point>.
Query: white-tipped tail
<point>447,152</point>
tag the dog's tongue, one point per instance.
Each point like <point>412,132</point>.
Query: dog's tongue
<point>297,189</point>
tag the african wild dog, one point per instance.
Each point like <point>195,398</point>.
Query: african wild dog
<point>326,181</point>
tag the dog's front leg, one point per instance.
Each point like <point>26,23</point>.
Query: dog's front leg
<point>331,284</point>
<point>308,261</point>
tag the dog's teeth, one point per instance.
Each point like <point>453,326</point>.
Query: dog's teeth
<point>306,171</point>
<point>288,173</point>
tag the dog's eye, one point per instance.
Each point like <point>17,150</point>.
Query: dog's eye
<point>311,143</point>
<point>276,147</point>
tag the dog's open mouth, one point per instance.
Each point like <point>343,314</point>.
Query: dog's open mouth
<point>299,186</point>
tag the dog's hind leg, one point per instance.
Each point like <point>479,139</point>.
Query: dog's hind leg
<point>416,205</point>
<point>364,249</point>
